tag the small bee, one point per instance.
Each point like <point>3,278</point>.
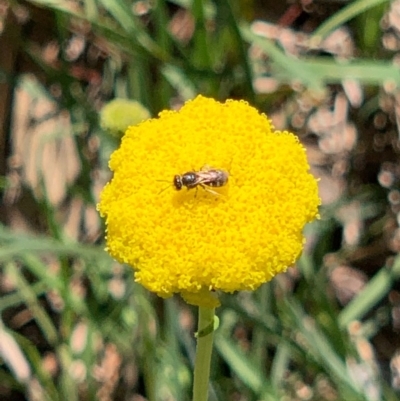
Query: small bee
<point>206,177</point>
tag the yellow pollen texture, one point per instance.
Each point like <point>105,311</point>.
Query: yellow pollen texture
<point>190,240</point>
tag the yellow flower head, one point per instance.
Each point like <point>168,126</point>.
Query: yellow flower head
<point>192,241</point>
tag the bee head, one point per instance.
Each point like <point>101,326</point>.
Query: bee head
<point>178,182</point>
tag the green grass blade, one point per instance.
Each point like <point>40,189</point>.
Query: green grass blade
<point>41,316</point>
<point>280,364</point>
<point>233,25</point>
<point>365,71</point>
<point>377,288</point>
<point>288,66</point>
<point>341,17</point>
<point>318,344</point>
<point>137,40</point>
<point>201,46</point>
<point>91,9</point>
<point>15,245</point>
<point>239,363</point>
<point>318,71</point>
<point>49,390</point>
<point>178,80</point>
<point>14,299</point>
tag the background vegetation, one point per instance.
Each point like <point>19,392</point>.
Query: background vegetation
<point>74,326</point>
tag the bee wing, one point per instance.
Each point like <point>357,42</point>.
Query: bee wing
<point>203,177</point>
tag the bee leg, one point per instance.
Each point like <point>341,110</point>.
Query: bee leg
<point>196,189</point>
<point>209,190</point>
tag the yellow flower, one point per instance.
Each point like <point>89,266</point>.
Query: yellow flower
<point>193,241</point>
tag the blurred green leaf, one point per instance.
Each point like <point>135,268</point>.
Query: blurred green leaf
<point>348,12</point>
<point>238,362</point>
<point>377,288</point>
<point>178,80</point>
<point>136,40</point>
<point>317,343</point>
<point>38,311</point>
<point>314,72</point>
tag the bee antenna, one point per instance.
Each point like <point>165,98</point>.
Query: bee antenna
<point>163,188</point>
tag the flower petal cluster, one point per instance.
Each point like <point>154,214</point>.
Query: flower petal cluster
<point>191,241</point>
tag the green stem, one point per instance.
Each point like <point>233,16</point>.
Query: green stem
<point>203,353</point>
